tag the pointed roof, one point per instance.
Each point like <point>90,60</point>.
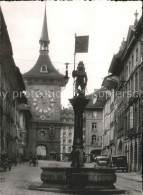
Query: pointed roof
<point>134,32</point>
<point>5,44</point>
<point>44,59</point>
<point>44,34</point>
<point>36,70</point>
<point>8,65</point>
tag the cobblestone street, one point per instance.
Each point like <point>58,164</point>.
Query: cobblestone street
<point>130,181</point>
<point>16,181</point>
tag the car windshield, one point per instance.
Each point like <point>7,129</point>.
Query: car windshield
<point>102,158</point>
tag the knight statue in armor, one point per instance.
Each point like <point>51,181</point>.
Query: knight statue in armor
<point>81,79</point>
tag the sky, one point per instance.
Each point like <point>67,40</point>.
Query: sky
<point>106,23</point>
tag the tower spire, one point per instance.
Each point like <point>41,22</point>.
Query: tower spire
<point>44,40</point>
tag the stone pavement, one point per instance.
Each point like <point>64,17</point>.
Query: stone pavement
<point>17,181</point>
<point>131,181</point>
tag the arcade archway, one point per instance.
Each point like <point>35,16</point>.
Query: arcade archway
<point>41,151</point>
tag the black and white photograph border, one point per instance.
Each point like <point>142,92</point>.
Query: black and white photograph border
<point>71,97</point>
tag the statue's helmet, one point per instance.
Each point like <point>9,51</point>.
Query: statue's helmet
<point>81,65</point>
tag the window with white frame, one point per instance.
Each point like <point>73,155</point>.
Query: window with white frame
<point>94,126</point>
<point>70,141</point>
<point>94,99</point>
<point>131,117</point>
<point>64,141</point>
<point>70,134</point>
<point>93,139</point>
<point>64,134</point>
<point>94,114</point>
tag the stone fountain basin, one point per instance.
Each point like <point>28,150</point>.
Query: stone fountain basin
<point>100,177</point>
<point>83,181</point>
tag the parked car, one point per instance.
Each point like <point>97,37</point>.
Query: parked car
<point>102,161</point>
<point>120,163</point>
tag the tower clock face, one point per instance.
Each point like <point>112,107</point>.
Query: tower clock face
<point>43,104</point>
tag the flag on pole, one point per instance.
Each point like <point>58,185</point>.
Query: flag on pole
<point>81,44</point>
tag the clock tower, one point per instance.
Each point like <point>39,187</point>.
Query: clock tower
<point>43,90</point>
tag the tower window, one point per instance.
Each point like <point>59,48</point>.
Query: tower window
<point>44,69</point>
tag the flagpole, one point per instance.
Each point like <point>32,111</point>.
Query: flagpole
<point>74,65</point>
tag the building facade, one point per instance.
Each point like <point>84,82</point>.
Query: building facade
<point>127,65</point>
<point>24,114</point>
<point>109,113</point>
<point>93,126</point>
<point>11,87</point>
<point>67,133</point>
<point>43,86</point>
